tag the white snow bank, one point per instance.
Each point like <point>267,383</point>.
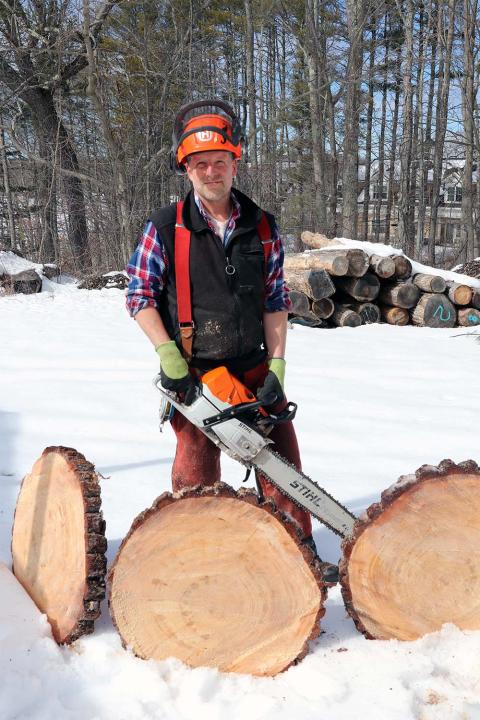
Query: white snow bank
<point>345,677</point>
<point>10,264</point>
<point>375,402</point>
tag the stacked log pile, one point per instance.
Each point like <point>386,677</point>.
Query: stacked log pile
<point>341,286</point>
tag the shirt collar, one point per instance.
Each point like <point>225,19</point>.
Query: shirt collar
<point>235,214</point>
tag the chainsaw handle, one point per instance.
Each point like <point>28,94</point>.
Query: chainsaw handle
<point>232,412</point>
<point>287,414</point>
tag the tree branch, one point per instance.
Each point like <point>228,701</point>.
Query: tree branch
<point>42,161</point>
<point>81,61</point>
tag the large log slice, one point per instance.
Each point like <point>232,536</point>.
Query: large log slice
<point>58,541</point>
<point>216,578</point>
<point>412,562</point>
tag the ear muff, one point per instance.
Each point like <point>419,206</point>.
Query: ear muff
<point>204,131</point>
<point>174,166</point>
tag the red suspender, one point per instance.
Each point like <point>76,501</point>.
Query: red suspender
<point>182,281</point>
<point>182,274</point>
<point>265,235</point>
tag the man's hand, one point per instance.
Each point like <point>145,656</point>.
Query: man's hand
<point>174,372</point>
<point>271,392</point>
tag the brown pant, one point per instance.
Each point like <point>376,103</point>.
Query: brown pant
<point>197,459</point>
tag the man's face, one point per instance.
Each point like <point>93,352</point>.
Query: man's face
<point>211,174</point>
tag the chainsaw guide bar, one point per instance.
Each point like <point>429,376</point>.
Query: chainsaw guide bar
<point>304,492</point>
<point>232,419</point>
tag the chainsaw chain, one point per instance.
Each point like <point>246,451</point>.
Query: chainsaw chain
<point>297,502</point>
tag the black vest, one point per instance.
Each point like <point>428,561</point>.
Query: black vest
<point>227,309</point>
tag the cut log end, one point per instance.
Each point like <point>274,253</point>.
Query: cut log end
<point>435,311</point>
<point>412,562</point>
<point>58,541</point>
<point>469,317</point>
<point>384,267</point>
<point>460,294</point>
<point>343,316</point>
<point>430,283</point>
<point>403,267</point>
<point>216,578</point>
<point>394,315</point>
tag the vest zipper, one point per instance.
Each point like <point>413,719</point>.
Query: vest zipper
<point>236,302</point>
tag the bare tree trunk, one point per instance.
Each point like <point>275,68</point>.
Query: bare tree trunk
<point>316,114</point>
<point>332,139</point>
<point>381,143</point>
<point>355,27</point>
<point>418,150</point>
<point>425,195</point>
<point>405,232</point>
<point>393,145</point>
<point>75,200</point>
<point>251,92</point>
<point>441,119</point>
<point>48,250</point>
<point>12,240</point>
<point>115,148</point>
<point>467,249</point>
<point>146,90</point>
<point>368,141</point>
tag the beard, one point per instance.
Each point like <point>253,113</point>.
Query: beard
<point>214,191</point>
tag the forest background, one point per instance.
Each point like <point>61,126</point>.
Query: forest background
<point>360,117</point>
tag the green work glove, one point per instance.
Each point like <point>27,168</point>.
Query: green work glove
<point>271,392</point>
<point>174,372</point>
<point>172,362</point>
<point>277,367</point>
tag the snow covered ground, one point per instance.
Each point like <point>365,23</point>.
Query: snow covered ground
<point>374,402</point>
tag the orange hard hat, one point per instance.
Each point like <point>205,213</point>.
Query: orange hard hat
<point>205,131</point>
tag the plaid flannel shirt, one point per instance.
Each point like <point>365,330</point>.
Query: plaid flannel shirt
<point>148,266</point>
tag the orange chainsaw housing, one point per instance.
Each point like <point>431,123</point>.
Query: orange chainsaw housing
<point>226,387</point>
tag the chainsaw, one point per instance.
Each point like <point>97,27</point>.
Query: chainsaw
<point>232,418</point>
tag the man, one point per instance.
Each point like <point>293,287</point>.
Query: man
<point>239,300</point>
